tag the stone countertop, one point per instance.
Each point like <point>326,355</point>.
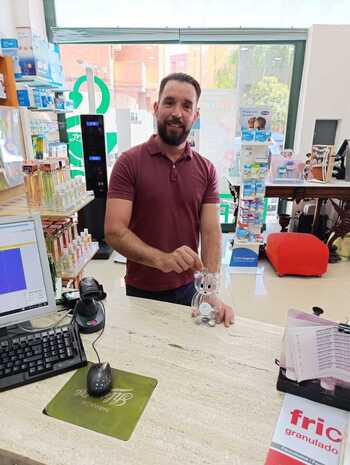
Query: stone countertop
<point>215,402</point>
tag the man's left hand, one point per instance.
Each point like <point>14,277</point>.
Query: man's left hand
<point>226,314</point>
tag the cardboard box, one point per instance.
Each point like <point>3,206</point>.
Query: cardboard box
<point>33,53</point>
<point>244,255</point>
<point>55,66</point>
<point>9,47</point>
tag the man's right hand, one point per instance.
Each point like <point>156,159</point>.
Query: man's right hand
<point>180,260</point>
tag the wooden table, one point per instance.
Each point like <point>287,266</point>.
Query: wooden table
<point>215,402</point>
<point>332,190</point>
<point>336,189</point>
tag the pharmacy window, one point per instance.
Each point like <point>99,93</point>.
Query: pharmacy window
<point>231,76</point>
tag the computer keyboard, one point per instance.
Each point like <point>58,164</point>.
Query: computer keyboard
<point>29,357</point>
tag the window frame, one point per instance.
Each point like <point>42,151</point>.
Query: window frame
<point>235,36</point>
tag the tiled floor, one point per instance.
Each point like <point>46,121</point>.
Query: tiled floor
<point>265,297</point>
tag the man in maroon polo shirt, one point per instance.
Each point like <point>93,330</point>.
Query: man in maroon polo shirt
<point>163,196</point>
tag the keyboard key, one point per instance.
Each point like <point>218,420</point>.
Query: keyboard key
<point>31,359</point>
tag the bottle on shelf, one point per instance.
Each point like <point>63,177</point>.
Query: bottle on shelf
<point>88,238</point>
<point>47,185</point>
<point>32,182</point>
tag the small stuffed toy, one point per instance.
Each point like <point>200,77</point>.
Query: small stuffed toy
<point>205,300</point>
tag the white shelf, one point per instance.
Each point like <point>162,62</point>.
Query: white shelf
<point>285,181</point>
<point>247,243</point>
<point>53,110</point>
<point>18,206</point>
<point>38,81</point>
<point>74,272</point>
<point>254,143</point>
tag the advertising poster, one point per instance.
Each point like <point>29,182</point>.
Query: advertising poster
<point>308,433</point>
<point>255,118</point>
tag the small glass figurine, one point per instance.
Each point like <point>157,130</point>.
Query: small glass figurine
<point>205,300</point>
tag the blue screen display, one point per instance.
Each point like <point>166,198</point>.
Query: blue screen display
<point>92,123</point>
<point>12,277</point>
<point>95,157</point>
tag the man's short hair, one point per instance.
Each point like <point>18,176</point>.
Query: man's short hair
<point>181,77</point>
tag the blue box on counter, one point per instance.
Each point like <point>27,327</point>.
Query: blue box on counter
<point>244,255</point>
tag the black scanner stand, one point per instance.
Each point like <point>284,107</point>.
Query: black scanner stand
<point>312,389</point>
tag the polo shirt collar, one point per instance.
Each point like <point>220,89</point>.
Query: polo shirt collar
<point>154,149</point>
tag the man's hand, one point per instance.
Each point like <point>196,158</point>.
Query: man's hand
<point>180,260</point>
<point>225,314</point>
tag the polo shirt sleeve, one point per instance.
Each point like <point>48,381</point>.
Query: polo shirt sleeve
<point>122,180</point>
<point>212,193</point>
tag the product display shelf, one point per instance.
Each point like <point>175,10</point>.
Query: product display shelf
<point>259,160</point>
<point>53,110</point>
<point>248,238</point>
<point>37,81</point>
<point>75,272</point>
<point>254,143</point>
<point>17,205</point>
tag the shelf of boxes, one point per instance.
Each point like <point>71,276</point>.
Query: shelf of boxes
<point>42,108</point>
<point>49,109</point>
<point>38,81</point>
<point>41,126</point>
<point>84,260</point>
<point>253,170</point>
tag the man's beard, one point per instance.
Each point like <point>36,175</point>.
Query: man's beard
<point>170,137</point>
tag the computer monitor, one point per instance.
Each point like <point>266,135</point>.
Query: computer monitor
<point>26,289</point>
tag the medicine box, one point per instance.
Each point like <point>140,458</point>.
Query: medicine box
<point>244,255</point>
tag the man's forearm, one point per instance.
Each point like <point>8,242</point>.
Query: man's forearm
<point>211,251</point>
<point>132,247</point>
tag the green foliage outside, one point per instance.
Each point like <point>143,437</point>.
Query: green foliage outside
<point>269,68</point>
<point>226,77</point>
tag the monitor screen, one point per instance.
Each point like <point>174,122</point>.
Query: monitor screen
<point>26,289</point>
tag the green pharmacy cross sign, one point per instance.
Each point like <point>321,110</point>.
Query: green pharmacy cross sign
<point>74,135</point>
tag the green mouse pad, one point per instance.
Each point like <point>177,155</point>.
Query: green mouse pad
<point>115,414</point>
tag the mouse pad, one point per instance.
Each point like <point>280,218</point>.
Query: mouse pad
<point>115,414</point>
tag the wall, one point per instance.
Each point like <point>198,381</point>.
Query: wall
<point>21,13</point>
<point>7,20</point>
<point>325,85</point>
